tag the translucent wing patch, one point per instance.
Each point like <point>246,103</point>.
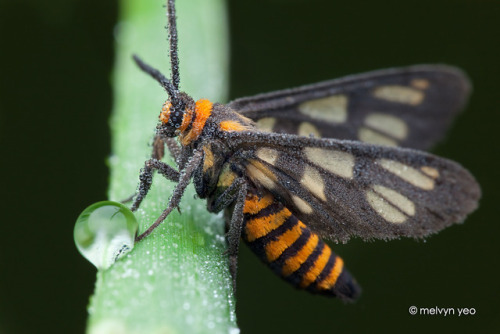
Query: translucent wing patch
<point>410,107</point>
<point>344,188</point>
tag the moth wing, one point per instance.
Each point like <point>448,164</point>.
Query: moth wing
<point>343,189</point>
<point>409,107</point>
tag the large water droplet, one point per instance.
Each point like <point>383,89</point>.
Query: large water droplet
<point>104,232</point>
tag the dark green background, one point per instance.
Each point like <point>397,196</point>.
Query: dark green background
<point>55,100</point>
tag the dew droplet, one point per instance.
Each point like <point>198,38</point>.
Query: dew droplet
<point>105,232</point>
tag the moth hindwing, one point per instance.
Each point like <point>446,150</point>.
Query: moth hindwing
<point>318,161</point>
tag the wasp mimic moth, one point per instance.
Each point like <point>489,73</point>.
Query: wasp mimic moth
<point>334,160</point>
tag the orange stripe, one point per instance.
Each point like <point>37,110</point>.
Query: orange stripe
<point>259,227</point>
<point>316,268</point>
<point>186,120</point>
<point>332,277</point>
<point>275,248</point>
<point>203,110</point>
<point>165,112</point>
<point>294,263</point>
<point>232,126</point>
<point>255,204</point>
<point>208,161</point>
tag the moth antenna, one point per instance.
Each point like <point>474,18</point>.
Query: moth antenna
<point>172,33</point>
<point>153,72</point>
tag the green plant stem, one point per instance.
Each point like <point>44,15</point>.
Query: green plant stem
<point>177,279</point>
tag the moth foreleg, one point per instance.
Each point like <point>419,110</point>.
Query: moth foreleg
<point>183,180</point>
<point>146,178</point>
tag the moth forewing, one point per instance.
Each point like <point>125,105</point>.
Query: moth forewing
<point>346,188</point>
<point>410,107</point>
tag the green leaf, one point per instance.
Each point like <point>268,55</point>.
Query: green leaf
<point>177,279</point>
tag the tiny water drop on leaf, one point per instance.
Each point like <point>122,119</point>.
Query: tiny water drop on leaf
<point>104,232</point>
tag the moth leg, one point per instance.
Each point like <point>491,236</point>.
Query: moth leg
<point>146,178</point>
<point>158,148</point>
<point>183,180</point>
<point>157,154</point>
<point>234,233</point>
<point>173,148</point>
<point>228,196</point>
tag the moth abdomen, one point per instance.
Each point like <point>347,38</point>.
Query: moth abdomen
<point>293,251</point>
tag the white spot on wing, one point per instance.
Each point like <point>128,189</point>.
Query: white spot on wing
<point>369,136</point>
<point>302,205</point>
<point>420,83</point>
<point>389,204</point>
<point>337,162</point>
<point>407,173</point>
<point>398,200</point>
<point>267,154</point>
<point>331,109</point>
<point>313,181</point>
<point>387,124</point>
<point>266,124</point>
<point>307,129</point>
<point>261,175</point>
<point>399,94</point>
<point>430,171</point>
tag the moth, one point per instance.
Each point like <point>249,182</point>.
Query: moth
<point>333,160</point>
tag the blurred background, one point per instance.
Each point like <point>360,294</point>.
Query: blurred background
<point>55,102</point>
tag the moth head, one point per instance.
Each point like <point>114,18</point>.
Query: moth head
<point>176,115</point>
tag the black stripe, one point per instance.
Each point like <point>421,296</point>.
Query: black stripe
<point>326,271</point>
<point>258,245</point>
<point>297,276</point>
<point>291,251</point>
<point>272,208</point>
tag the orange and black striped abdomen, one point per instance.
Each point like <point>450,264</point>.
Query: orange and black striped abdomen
<point>294,251</point>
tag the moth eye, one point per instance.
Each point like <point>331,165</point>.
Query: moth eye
<point>390,204</point>
<point>307,129</point>
<point>330,109</point>
<point>399,94</point>
<point>266,124</point>
<point>337,162</point>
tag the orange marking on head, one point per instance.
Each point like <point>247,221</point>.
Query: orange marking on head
<point>294,263</point>
<point>232,126</point>
<point>186,120</point>
<point>328,282</point>
<point>317,267</point>
<point>275,248</point>
<point>259,227</point>
<point>165,112</point>
<point>203,110</point>
<point>255,204</point>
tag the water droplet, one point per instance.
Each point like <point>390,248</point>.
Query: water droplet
<point>105,232</point>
